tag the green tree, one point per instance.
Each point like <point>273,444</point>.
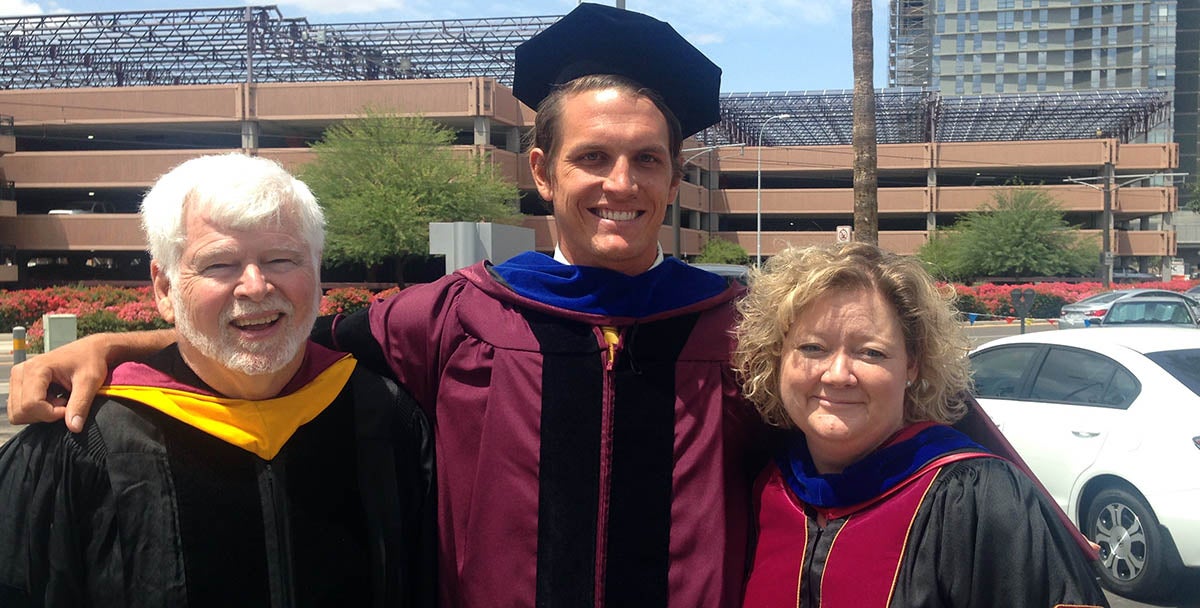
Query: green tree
<point>382,178</point>
<point>1021,234</point>
<point>721,251</point>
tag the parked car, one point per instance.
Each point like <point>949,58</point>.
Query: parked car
<point>734,272</point>
<point>1193,292</point>
<point>1158,310</point>
<point>1109,421</point>
<point>1091,310</point>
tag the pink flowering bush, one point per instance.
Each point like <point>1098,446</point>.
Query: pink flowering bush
<point>996,300</point>
<point>344,300</point>
<point>107,308</point>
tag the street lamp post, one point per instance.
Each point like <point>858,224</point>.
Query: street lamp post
<point>1108,185</point>
<point>758,212</point>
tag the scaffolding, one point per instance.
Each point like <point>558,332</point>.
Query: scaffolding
<point>819,118</point>
<point>248,44</point>
<point>910,48</point>
<point>258,44</point>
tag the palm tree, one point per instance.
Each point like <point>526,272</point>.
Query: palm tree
<point>866,160</point>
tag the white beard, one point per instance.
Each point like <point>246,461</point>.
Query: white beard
<point>251,359</point>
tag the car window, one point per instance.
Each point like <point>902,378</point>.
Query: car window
<point>1073,376</point>
<point>1123,389</point>
<point>1149,311</point>
<point>1183,364</point>
<point>997,372</point>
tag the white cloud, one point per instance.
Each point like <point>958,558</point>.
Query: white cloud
<point>20,8</point>
<point>706,38</point>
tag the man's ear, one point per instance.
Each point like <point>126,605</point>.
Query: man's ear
<point>162,292</point>
<point>539,165</point>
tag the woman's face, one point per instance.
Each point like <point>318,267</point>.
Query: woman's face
<point>842,375</point>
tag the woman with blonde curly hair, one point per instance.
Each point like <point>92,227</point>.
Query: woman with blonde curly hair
<point>874,499</point>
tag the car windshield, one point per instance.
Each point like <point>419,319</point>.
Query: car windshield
<point>1183,364</point>
<point>1148,311</point>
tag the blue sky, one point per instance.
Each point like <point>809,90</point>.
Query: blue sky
<point>761,45</point>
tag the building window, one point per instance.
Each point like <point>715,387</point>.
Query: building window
<point>960,43</point>
<point>958,85</point>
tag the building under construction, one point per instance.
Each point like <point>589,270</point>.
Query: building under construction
<point>981,47</point>
<point>93,107</point>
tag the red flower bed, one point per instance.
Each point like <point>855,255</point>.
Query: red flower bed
<point>106,308</point>
<point>116,309</point>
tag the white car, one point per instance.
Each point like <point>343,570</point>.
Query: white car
<point>1109,421</point>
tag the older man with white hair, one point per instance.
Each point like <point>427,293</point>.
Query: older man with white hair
<point>242,465</point>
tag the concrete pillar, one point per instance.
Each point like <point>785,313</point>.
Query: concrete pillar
<point>483,131</point>
<point>60,329</point>
<point>250,135</point>
<point>512,142</point>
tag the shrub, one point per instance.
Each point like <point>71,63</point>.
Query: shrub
<point>344,300</point>
<point>115,309</point>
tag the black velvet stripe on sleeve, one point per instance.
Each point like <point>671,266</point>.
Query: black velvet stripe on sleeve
<point>639,521</point>
<point>569,478</point>
<point>352,334</point>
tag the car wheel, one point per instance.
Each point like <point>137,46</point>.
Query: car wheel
<point>1133,553</point>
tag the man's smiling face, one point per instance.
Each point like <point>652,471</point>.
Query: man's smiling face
<point>611,181</point>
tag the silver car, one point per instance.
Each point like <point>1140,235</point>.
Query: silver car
<point>1158,310</point>
<point>1090,311</point>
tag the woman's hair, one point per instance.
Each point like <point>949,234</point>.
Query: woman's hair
<point>234,191</point>
<point>792,280</point>
<point>547,127</point>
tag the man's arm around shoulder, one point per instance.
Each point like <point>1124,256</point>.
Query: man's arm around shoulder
<point>80,368</point>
